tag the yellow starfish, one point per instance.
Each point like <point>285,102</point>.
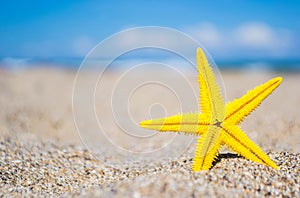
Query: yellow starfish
<point>217,123</point>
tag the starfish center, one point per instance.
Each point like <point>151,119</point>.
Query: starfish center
<point>218,124</point>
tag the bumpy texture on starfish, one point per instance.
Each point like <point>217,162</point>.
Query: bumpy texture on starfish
<point>217,123</point>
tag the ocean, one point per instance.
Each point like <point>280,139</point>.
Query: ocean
<point>73,63</point>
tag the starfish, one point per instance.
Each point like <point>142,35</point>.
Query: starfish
<point>217,123</point>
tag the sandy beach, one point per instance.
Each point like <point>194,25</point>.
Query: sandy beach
<point>44,154</point>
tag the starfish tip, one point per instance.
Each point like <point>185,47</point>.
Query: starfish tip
<point>278,79</point>
<point>144,123</point>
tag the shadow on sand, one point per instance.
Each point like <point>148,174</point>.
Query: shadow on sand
<point>225,156</point>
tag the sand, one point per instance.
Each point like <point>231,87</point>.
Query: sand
<point>42,153</point>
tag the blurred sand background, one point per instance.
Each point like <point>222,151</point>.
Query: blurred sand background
<point>39,102</point>
<point>36,108</point>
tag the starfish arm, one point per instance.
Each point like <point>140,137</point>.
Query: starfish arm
<point>211,101</point>
<point>240,108</point>
<point>237,140</point>
<point>207,149</point>
<point>189,123</point>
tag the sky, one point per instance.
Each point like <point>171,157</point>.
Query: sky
<point>228,29</point>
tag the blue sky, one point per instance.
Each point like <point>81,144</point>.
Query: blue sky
<point>228,29</point>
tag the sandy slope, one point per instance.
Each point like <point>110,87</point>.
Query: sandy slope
<point>37,107</point>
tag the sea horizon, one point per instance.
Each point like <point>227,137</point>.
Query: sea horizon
<point>272,64</point>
